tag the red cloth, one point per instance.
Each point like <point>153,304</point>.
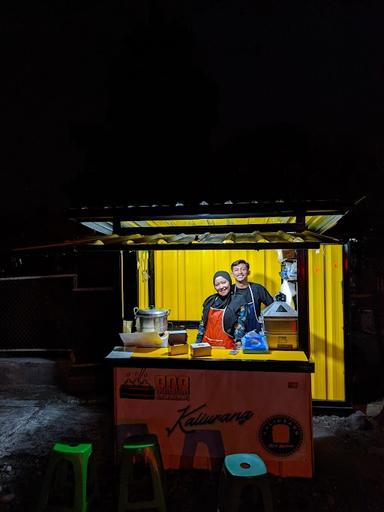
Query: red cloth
<point>214,332</point>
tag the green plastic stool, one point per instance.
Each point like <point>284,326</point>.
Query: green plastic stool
<point>141,474</point>
<point>241,470</point>
<point>70,480</point>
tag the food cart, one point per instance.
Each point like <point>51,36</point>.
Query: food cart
<point>202,408</point>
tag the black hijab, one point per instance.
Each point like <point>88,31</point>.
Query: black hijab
<point>218,302</point>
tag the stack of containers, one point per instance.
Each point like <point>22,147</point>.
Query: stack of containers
<point>281,326</point>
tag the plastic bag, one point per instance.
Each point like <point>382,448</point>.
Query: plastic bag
<point>254,342</point>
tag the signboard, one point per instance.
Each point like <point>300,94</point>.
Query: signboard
<point>199,416</point>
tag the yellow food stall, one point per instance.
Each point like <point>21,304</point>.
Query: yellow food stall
<point>204,407</point>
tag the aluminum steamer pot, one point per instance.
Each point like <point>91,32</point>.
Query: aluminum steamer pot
<point>151,320</point>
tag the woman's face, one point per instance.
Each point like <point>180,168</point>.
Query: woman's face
<point>222,286</point>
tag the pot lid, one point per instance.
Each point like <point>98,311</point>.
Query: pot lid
<point>279,309</point>
<point>151,312</point>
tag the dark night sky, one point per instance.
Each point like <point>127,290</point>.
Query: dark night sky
<point>240,99</point>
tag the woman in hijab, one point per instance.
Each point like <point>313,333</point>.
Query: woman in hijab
<point>221,325</point>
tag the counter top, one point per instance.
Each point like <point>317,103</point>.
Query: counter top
<point>275,360</point>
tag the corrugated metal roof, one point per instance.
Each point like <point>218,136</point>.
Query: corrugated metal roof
<point>246,225</point>
<point>207,240</point>
<point>228,209</point>
<point>318,224</point>
<point>313,215</point>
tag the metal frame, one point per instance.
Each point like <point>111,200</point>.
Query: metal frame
<point>203,210</point>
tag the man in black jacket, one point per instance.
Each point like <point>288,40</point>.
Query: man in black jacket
<point>250,294</point>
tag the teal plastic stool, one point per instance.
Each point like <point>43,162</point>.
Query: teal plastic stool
<point>241,470</point>
<point>69,484</point>
<point>141,475</point>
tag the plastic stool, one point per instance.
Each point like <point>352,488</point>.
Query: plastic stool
<point>141,464</point>
<point>214,442</point>
<point>70,480</point>
<point>241,470</point>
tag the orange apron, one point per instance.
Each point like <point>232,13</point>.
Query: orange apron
<point>214,332</point>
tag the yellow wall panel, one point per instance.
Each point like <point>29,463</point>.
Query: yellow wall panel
<point>326,322</point>
<point>335,330</point>
<point>183,279</point>
<point>317,325</point>
<point>142,268</point>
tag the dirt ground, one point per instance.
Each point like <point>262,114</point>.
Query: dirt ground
<point>349,457</point>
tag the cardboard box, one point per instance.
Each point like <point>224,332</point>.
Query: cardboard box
<point>201,349</point>
<point>287,325</point>
<point>282,341</point>
<point>176,350</point>
<point>177,337</point>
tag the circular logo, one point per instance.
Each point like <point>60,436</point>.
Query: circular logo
<point>281,435</point>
